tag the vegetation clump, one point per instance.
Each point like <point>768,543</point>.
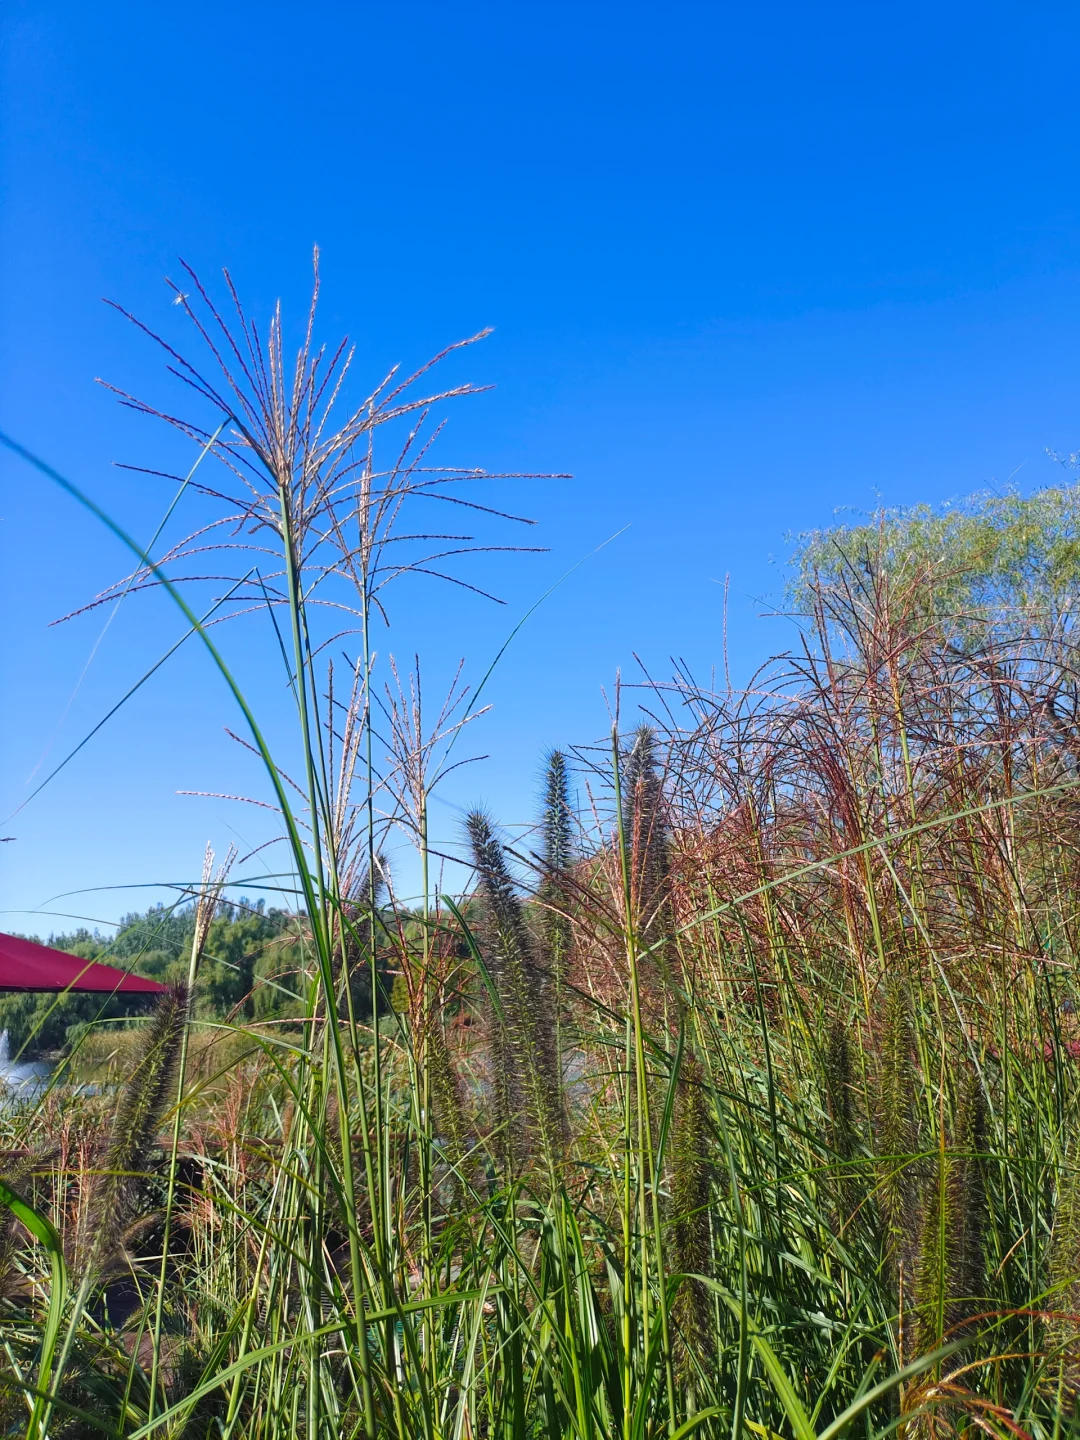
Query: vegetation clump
<point>743,1101</point>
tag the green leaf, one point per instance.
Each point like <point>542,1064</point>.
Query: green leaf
<point>778,1378</point>
<point>42,1231</point>
<point>855,1409</point>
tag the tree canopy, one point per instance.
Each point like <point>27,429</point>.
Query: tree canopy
<point>249,969</point>
<point>987,560</point>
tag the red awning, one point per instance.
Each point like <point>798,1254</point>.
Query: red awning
<point>25,965</point>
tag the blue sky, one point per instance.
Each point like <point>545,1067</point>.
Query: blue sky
<point>745,265</point>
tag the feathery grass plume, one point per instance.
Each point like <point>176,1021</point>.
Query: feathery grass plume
<point>837,1075</point>
<point>691,1168</point>
<point>646,830</point>
<point>115,1194</point>
<point>304,469</point>
<point>1062,1332</point>
<point>556,932</point>
<point>897,1144</point>
<point>525,1065</point>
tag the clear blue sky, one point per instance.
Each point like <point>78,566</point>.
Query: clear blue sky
<point>746,264</point>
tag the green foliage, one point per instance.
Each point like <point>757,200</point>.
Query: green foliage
<point>163,930</point>
<point>19,1175</point>
<point>989,559</point>
<point>39,1023</point>
<point>253,966</point>
<point>1063,1328</point>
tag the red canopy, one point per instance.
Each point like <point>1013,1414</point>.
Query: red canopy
<point>25,965</point>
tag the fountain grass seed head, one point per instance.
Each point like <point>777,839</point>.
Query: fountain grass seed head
<point>525,1063</point>
<point>114,1198</point>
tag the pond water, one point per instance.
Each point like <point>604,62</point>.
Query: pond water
<point>21,1080</point>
